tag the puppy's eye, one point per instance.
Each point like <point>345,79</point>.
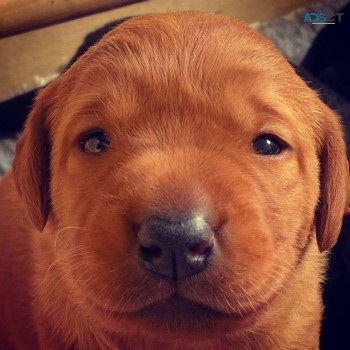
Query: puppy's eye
<point>95,142</point>
<point>267,145</point>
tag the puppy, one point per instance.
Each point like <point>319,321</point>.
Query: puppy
<point>177,188</point>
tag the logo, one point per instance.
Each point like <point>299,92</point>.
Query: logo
<point>322,18</point>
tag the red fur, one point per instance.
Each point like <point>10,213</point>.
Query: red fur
<point>181,96</point>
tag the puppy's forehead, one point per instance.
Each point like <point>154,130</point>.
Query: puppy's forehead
<point>178,62</point>
<point>162,52</point>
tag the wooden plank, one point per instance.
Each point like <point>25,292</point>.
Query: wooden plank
<point>31,59</point>
<point>18,16</point>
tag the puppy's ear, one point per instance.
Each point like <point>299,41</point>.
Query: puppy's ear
<point>347,208</point>
<point>334,175</point>
<point>31,166</point>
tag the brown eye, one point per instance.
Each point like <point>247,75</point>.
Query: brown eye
<point>268,145</point>
<point>95,142</point>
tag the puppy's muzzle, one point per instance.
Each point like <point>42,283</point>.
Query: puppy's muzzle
<point>175,247</point>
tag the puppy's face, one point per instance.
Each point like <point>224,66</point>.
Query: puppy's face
<point>184,174</point>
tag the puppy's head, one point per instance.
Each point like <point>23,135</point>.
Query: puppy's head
<point>185,169</point>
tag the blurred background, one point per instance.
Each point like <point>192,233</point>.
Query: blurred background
<point>39,39</point>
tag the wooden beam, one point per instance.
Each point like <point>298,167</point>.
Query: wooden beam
<point>18,16</point>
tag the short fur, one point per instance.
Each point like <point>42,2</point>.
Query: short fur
<point>181,97</point>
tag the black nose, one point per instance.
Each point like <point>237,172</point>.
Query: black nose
<point>175,248</point>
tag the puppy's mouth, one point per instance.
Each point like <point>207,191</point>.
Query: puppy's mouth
<point>179,306</point>
<point>177,315</point>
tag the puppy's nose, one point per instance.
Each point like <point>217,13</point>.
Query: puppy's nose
<point>175,249</point>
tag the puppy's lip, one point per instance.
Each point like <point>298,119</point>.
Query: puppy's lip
<point>185,309</point>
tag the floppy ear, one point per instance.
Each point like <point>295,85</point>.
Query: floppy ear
<point>347,208</point>
<point>334,175</point>
<point>31,166</point>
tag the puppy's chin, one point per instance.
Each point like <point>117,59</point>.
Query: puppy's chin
<point>191,309</point>
<point>178,318</point>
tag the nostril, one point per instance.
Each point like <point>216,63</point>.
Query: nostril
<point>150,253</point>
<point>200,249</point>
<point>198,255</point>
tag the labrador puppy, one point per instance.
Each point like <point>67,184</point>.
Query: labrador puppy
<point>176,188</point>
